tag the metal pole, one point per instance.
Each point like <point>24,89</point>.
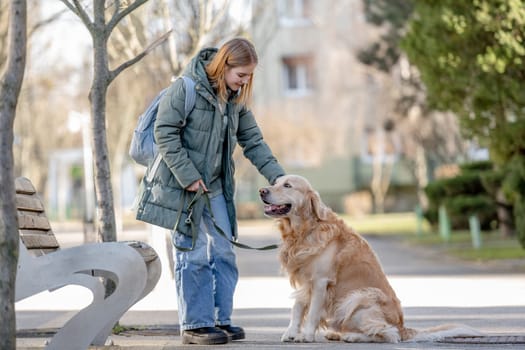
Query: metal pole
<point>444,224</point>
<point>475,232</point>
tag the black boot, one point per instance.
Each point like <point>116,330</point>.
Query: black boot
<point>233,332</point>
<point>204,336</point>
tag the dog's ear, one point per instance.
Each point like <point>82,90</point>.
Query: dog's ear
<point>319,209</point>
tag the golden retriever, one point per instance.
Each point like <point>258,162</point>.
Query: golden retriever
<point>339,283</point>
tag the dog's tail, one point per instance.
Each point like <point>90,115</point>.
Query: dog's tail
<point>438,333</point>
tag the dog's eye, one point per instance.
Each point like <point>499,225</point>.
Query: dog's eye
<point>287,185</point>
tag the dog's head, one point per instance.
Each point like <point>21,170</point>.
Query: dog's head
<point>293,196</point>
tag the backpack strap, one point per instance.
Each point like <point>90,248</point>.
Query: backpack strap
<point>189,103</point>
<point>191,96</point>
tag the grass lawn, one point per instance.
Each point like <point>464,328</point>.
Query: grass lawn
<point>407,226</point>
<point>493,246</point>
<point>392,223</point>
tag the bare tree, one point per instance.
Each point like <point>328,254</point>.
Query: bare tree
<point>39,91</point>
<point>106,15</point>
<point>382,149</point>
<point>10,85</point>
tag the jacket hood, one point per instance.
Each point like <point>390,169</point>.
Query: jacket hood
<point>196,69</point>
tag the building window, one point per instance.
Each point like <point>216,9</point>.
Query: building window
<point>298,75</point>
<point>294,12</point>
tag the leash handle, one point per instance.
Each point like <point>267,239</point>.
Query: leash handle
<point>194,231</point>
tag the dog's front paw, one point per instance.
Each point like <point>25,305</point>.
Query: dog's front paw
<point>289,336</point>
<point>305,338</point>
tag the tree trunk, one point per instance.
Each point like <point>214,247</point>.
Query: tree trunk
<point>380,183</point>
<point>505,215</point>
<point>97,96</point>
<point>420,172</point>
<point>10,84</point>
<point>375,185</point>
<point>104,194</point>
<point>381,173</point>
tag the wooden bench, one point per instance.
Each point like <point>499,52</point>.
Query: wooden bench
<point>42,265</point>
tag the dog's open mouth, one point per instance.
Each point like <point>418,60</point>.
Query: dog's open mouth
<point>277,209</point>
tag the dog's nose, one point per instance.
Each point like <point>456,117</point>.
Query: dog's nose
<point>263,192</point>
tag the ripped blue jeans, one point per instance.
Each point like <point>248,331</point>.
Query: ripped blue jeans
<point>206,277</point>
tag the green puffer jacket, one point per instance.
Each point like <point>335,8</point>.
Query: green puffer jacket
<point>189,150</point>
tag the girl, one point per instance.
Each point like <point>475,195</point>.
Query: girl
<point>197,153</point>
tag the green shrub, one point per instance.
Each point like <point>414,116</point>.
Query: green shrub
<point>464,183</point>
<point>435,190</point>
<point>514,182</point>
<point>461,207</point>
<point>463,196</point>
<point>476,166</point>
<point>492,181</point>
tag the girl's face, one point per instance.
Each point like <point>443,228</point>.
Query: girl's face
<point>238,76</point>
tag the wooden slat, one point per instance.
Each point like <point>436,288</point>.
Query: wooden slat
<point>38,239</point>
<point>24,185</point>
<point>30,203</point>
<point>28,220</point>
<point>30,232</point>
<point>33,224</point>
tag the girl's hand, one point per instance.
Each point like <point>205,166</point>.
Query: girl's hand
<point>194,187</point>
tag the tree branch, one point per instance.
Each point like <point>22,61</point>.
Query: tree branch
<point>114,73</point>
<point>119,15</point>
<point>78,10</point>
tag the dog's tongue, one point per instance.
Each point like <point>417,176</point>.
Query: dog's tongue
<point>275,209</point>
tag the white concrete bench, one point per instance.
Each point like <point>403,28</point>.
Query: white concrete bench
<point>42,265</point>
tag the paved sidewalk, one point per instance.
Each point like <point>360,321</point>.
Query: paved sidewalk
<point>433,290</point>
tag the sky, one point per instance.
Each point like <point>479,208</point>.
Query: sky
<point>67,39</point>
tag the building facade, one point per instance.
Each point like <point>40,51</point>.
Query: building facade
<point>318,106</point>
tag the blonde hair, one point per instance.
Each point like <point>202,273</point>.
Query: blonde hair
<point>234,53</point>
